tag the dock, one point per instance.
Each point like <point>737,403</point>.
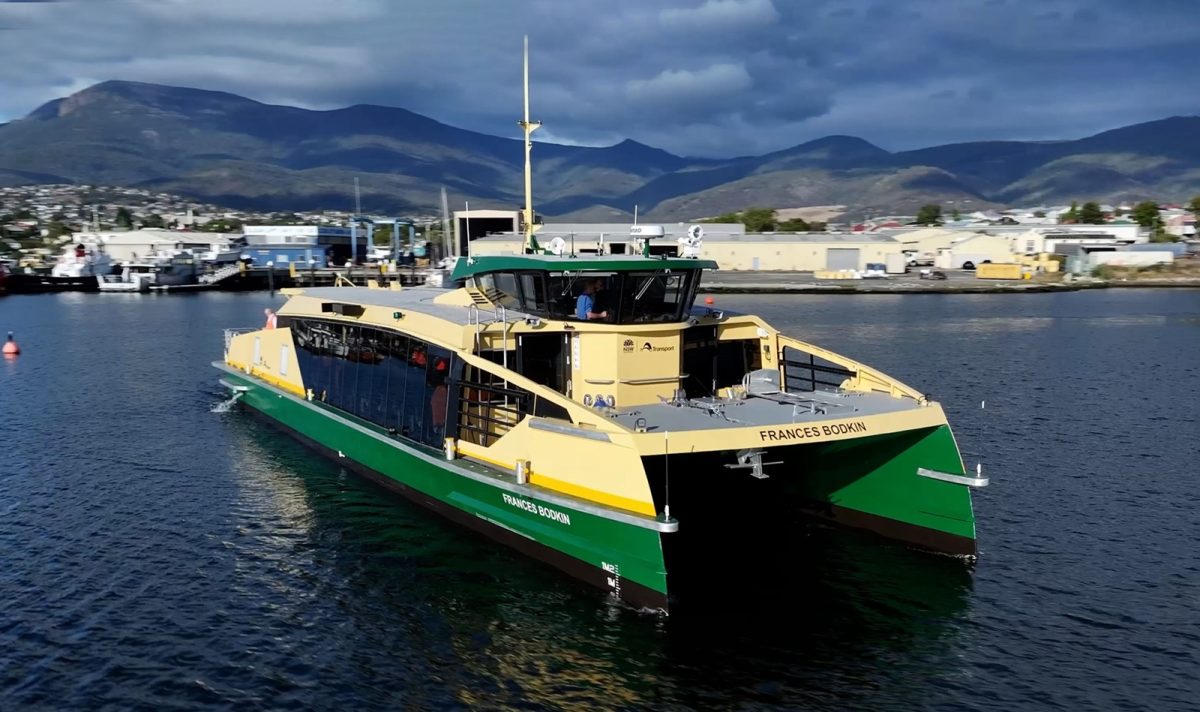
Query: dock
<point>238,278</point>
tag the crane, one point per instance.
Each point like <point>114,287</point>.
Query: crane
<point>370,223</point>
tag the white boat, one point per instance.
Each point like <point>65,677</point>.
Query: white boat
<point>133,278</point>
<point>82,261</point>
<point>179,268</point>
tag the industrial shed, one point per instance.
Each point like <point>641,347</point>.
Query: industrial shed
<point>732,250</point>
<point>798,252</point>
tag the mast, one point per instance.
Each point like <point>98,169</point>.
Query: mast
<point>528,127</point>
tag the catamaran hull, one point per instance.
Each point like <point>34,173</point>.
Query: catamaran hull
<point>866,483</point>
<point>906,486</point>
<point>617,556</point>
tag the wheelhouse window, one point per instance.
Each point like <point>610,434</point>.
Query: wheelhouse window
<point>662,295</point>
<point>624,297</point>
<point>500,288</point>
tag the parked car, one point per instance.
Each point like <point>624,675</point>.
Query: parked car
<point>932,274</point>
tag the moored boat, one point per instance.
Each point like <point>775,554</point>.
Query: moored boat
<point>584,410</point>
<point>134,277</point>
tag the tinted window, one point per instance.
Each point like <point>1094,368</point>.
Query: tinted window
<point>393,380</point>
<point>628,297</point>
<point>500,288</point>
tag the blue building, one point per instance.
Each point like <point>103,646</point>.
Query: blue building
<point>304,245</point>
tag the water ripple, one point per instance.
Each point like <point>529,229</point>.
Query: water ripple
<point>155,554</point>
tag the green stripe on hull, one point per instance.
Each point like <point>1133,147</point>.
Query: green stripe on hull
<point>610,553</point>
<point>873,483</point>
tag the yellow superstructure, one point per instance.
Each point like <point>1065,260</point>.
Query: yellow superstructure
<point>608,369</point>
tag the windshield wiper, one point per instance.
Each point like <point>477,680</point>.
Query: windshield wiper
<point>645,286</point>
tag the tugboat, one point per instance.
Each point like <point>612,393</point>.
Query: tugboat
<point>584,410</point>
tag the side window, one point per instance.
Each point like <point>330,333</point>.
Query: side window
<point>372,383</point>
<point>393,380</point>
<point>506,287</point>
<point>437,377</point>
<point>414,418</point>
<point>397,368</point>
<point>533,294</point>
<point>343,377</point>
<point>500,288</point>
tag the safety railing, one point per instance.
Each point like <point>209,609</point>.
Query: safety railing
<point>804,372</point>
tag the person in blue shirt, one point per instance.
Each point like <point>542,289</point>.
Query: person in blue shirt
<point>586,302</point>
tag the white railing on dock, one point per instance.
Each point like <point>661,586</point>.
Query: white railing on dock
<point>221,274</point>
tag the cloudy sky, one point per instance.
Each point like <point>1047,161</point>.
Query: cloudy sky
<point>698,77</point>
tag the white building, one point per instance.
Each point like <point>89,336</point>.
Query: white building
<point>135,245</point>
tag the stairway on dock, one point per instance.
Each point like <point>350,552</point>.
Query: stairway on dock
<point>220,275</point>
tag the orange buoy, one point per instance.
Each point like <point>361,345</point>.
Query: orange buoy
<point>709,301</point>
<point>10,346</point>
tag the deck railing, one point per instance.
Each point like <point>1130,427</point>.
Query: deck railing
<point>801,371</point>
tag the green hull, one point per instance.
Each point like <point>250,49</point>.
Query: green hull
<point>619,552</point>
<point>873,483</point>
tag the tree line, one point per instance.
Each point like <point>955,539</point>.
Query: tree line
<point>764,220</point>
<point>1146,214</point>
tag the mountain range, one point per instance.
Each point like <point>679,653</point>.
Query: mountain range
<point>234,151</point>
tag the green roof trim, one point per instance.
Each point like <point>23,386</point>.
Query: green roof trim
<point>471,266</point>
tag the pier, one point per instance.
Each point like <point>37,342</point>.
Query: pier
<point>239,277</point>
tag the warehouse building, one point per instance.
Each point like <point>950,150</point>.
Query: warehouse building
<point>728,244</point>
<point>134,245</point>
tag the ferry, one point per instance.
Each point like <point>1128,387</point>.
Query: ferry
<point>588,411</point>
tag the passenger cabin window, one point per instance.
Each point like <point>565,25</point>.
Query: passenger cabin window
<point>394,381</point>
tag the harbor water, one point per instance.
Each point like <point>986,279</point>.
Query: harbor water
<point>162,549</point>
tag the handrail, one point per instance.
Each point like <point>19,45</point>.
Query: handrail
<point>864,378</point>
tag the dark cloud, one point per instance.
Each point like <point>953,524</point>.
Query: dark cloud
<point>705,77</point>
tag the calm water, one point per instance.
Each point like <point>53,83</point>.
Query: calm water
<point>155,554</point>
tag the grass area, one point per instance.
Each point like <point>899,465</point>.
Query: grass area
<point>1188,268</point>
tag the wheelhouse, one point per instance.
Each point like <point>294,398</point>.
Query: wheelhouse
<point>626,289</point>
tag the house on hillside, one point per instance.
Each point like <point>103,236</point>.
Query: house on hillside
<point>1181,224</point>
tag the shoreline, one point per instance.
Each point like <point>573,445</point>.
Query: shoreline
<point>787,283</point>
